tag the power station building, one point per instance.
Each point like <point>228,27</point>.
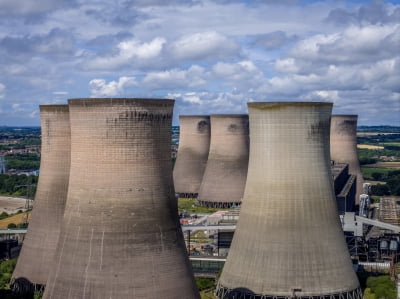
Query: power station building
<point>3,165</point>
<point>288,241</point>
<point>344,185</point>
<point>225,175</point>
<point>343,140</point>
<point>191,161</point>
<point>40,243</point>
<point>121,236</point>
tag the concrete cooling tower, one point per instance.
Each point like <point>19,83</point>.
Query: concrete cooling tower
<point>288,241</point>
<point>40,243</point>
<point>344,146</point>
<point>121,236</point>
<point>225,175</point>
<point>194,144</point>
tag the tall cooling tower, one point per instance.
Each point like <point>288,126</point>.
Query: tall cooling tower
<point>225,175</point>
<point>121,236</point>
<point>194,144</point>
<point>288,241</point>
<point>344,146</point>
<point>40,243</point>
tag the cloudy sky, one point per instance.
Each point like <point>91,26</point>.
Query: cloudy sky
<point>211,56</point>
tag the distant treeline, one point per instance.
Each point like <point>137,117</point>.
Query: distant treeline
<point>392,186</point>
<point>29,161</point>
<point>386,129</point>
<point>378,139</point>
<point>16,185</point>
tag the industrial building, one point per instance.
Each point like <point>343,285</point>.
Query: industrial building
<point>344,185</point>
<point>288,241</point>
<point>343,147</point>
<point>121,237</point>
<point>194,145</point>
<point>39,246</point>
<point>226,171</point>
<point>3,165</point>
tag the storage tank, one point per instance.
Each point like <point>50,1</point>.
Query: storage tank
<point>226,171</point>
<point>40,242</point>
<point>121,236</point>
<point>288,241</point>
<point>344,146</point>
<point>194,144</point>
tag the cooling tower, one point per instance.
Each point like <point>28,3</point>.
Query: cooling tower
<point>120,236</point>
<point>194,144</point>
<point>225,175</point>
<point>344,146</point>
<point>288,241</point>
<point>44,226</point>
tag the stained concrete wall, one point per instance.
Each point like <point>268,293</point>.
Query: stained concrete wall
<point>288,240</point>
<point>344,146</point>
<point>191,161</point>
<point>121,236</point>
<point>225,175</point>
<point>40,242</point>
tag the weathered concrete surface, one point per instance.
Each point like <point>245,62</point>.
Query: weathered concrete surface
<point>121,236</point>
<point>194,144</point>
<point>288,239</point>
<point>225,175</point>
<point>344,146</point>
<point>44,226</point>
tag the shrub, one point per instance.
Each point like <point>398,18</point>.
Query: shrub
<point>11,225</point>
<point>382,287</point>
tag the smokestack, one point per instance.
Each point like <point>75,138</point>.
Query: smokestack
<point>39,246</point>
<point>344,146</point>
<point>120,236</point>
<point>194,144</point>
<point>225,175</point>
<point>288,241</point>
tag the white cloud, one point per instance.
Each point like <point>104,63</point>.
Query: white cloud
<point>353,45</point>
<point>204,46</point>
<point>2,90</point>
<point>243,75</point>
<point>100,88</point>
<point>195,76</point>
<point>129,53</point>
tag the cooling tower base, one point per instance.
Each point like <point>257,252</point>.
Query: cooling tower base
<point>23,286</point>
<point>243,293</point>
<point>217,205</point>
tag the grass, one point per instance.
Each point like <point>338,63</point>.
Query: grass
<point>188,204</point>
<point>16,219</point>
<point>368,171</point>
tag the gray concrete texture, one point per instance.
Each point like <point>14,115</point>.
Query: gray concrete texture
<point>344,146</point>
<point>288,239</point>
<point>40,242</point>
<point>121,236</point>
<point>226,171</point>
<point>194,145</point>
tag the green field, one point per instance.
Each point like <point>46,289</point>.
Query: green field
<point>367,171</point>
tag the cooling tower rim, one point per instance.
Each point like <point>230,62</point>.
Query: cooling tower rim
<point>272,105</point>
<point>120,101</point>
<point>194,116</point>
<point>229,116</point>
<point>53,107</point>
